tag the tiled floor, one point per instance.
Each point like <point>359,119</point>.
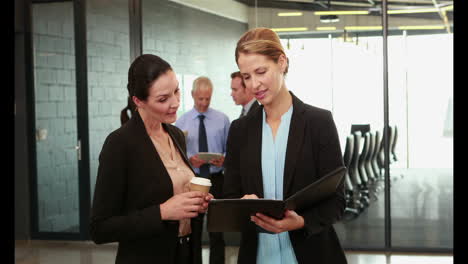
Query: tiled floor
<point>70,252</point>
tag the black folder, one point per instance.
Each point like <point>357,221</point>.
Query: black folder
<point>232,215</point>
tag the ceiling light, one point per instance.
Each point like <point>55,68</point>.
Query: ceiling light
<point>342,12</point>
<point>421,27</point>
<point>363,28</point>
<point>290,14</point>
<point>325,28</point>
<point>329,19</point>
<point>351,4</point>
<point>413,11</point>
<point>290,29</point>
<point>447,8</point>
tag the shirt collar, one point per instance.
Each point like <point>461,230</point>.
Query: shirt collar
<point>248,105</point>
<point>195,113</point>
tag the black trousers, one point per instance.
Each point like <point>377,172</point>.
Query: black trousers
<point>217,244</point>
<point>183,251</point>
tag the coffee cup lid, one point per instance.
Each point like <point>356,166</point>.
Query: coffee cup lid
<point>201,181</point>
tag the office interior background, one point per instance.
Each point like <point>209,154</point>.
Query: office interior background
<point>390,77</point>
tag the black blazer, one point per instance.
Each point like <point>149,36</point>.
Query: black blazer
<point>254,106</point>
<point>313,149</point>
<point>132,182</point>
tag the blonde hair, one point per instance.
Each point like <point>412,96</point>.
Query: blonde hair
<point>262,41</point>
<point>201,81</point>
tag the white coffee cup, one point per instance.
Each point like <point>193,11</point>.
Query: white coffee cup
<point>200,184</point>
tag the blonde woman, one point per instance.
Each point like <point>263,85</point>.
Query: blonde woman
<point>277,150</point>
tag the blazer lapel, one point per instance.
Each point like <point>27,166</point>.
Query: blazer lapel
<point>254,147</point>
<point>254,106</point>
<point>151,150</point>
<point>176,143</point>
<point>295,139</point>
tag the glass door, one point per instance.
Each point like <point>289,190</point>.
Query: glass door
<point>56,199</point>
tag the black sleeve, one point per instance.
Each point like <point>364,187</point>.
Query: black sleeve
<point>329,158</point>
<point>109,221</point>
<point>232,178</point>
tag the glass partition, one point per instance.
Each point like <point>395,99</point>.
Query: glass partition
<point>421,121</point>
<point>421,115</point>
<point>196,43</point>
<point>56,118</point>
<point>346,79</point>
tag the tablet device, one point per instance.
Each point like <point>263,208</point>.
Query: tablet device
<point>207,156</point>
<point>233,215</point>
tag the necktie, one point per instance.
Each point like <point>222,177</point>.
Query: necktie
<point>203,146</point>
<point>242,112</point>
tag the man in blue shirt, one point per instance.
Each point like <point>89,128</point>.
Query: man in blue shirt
<point>207,130</point>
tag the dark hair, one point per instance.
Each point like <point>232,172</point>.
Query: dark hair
<point>124,117</point>
<point>143,71</point>
<point>238,74</point>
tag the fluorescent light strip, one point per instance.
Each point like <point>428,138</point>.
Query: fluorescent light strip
<point>350,12</point>
<point>363,28</point>
<point>447,8</point>
<point>325,28</point>
<point>290,14</point>
<point>421,27</point>
<point>351,4</point>
<point>391,12</point>
<point>290,29</point>
<point>413,11</point>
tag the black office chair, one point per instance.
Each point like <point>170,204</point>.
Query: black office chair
<point>347,162</point>
<point>362,159</point>
<point>353,168</point>
<point>376,155</point>
<point>393,155</point>
<point>354,173</point>
<point>363,128</point>
<point>381,157</point>
<point>391,143</point>
<point>368,165</point>
<point>352,208</point>
<point>395,138</point>
<point>368,159</point>
<point>375,161</point>
<point>365,171</point>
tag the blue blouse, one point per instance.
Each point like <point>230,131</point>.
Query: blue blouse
<point>275,248</point>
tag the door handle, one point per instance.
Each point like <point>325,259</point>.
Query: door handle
<point>78,149</point>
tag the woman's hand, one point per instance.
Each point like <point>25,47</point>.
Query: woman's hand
<point>250,196</point>
<point>207,199</point>
<point>291,221</point>
<point>184,205</point>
